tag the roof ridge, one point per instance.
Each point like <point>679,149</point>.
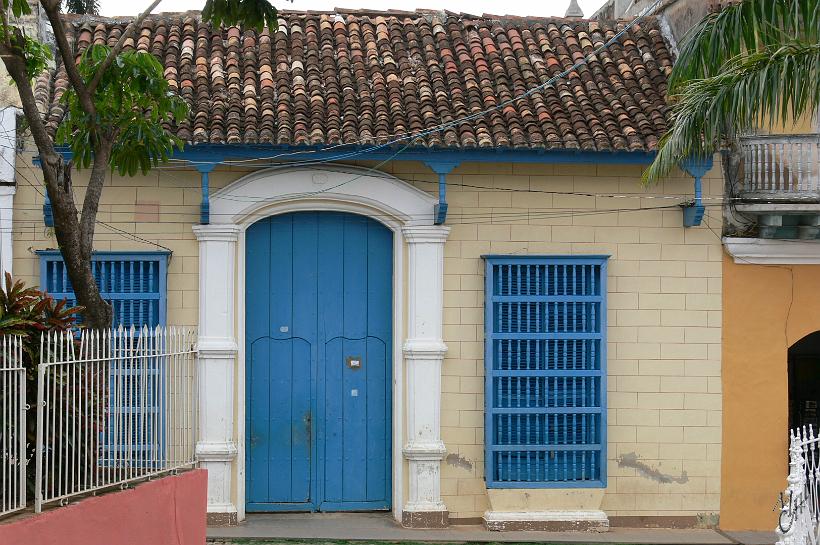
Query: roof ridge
<point>419,12</point>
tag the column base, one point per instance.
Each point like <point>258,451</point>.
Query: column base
<point>547,521</point>
<point>425,519</point>
<point>222,519</point>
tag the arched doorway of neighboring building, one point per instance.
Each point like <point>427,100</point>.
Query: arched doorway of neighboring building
<point>804,382</point>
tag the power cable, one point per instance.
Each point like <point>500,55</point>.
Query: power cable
<point>99,222</point>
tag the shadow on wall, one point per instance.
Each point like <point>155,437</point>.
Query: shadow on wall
<point>167,511</point>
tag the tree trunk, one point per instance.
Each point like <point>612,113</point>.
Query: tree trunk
<point>76,249</point>
<point>75,243</point>
<point>733,223</point>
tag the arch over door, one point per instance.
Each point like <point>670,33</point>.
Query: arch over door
<point>318,339</point>
<point>804,382</point>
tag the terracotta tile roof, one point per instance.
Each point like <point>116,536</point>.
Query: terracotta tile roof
<point>361,77</point>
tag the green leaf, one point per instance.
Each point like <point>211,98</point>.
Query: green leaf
<point>133,101</point>
<point>775,84</point>
<point>35,54</point>
<point>18,7</point>
<point>248,13</point>
<point>744,26</point>
<point>89,7</point>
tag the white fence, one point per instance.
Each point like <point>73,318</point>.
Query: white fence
<point>12,425</point>
<point>113,407</point>
<point>799,521</point>
<point>781,167</point>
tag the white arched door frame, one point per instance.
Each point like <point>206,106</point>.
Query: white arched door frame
<point>418,349</point>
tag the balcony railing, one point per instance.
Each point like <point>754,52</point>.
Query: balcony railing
<point>781,168</point>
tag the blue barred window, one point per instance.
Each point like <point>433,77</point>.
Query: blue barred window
<point>545,359</point>
<point>134,283</point>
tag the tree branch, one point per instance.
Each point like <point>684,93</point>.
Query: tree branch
<point>129,31</point>
<point>16,67</point>
<point>93,193</point>
<point>52,10</point>
<point>62,199</point>
<point>5,21</point>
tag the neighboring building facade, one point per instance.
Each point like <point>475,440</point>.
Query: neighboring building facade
<point>495,321</point>
<point>771,349</point>
<point>35,24</point>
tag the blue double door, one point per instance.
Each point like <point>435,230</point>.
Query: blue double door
<point>318,330</point>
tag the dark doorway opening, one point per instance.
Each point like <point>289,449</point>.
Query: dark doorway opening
<point>804,382</point>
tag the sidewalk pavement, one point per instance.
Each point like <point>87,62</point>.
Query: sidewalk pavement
<point>273,528</point>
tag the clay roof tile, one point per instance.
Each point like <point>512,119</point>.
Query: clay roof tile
<point>361,77</point>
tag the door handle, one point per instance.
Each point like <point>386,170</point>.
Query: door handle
<point>308,425</point>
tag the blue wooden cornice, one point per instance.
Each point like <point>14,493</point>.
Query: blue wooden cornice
<point>206,157</point>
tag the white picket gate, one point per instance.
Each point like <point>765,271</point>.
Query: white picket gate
<point>799,521</point>
<point>113,407</point>
<point>12,425</point>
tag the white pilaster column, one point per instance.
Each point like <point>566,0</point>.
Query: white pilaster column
<point>6,225</point>
<point>216,448</point>
<point>8,147</point>
<point>424,351</point>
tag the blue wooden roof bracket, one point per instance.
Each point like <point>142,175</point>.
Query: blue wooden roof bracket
<point>697,167</point>
<point>204,162</point>
<point>442,168</point>
<point>205,205</point>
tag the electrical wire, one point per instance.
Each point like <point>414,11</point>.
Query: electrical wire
<point>97,221</point>
<point>622,195</point>
<point>487,217</point>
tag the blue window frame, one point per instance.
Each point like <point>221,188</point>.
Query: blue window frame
<point>545,371</point>
<point>133,282</point>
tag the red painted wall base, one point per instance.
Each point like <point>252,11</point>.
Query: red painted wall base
<point>167,511</point>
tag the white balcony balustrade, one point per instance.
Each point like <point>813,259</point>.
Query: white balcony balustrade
<point>784,168</point>
<point>781,178</point>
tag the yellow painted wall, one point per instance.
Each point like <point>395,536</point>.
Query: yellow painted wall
<point>664,418</point>
<point>766,309</point>
<point>664,321</point>
<point>808,123</point>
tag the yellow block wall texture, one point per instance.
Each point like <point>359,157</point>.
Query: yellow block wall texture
<point>664,317</point>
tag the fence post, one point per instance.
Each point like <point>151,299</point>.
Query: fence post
<point>139,399</point>
<point>38,453</point>
<point>794,524</point>
<point>21,432</point>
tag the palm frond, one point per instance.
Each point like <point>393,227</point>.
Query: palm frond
<point>752,90</point>
<point>746,26</point>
